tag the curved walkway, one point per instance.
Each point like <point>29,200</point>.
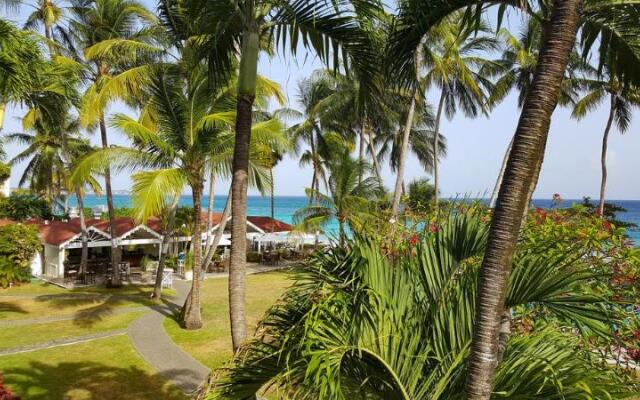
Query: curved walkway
<point>156,347</point>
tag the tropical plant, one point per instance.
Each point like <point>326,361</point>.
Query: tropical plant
<point>616,22</point>
<point>241,31</point>
<point>350,196</point>
<point>411,310</point>
<point>622,96</point>
<point>113,36</point>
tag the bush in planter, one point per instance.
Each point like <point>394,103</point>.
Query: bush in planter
<point>253,256</point>
<point>18,244</point>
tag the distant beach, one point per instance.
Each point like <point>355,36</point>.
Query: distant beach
<point>286,206</point>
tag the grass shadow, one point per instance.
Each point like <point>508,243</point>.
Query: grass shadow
<point>99,305</point>
<point>13,308</point>
<point>89,380</point>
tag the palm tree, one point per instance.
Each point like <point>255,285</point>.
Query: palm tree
<point>617,22</point>
<point>419,141</point>
<point>622,98</point>
<point>240,31</point>
<point>112,35</point>
<point>410,323</point>
<point>27,78</point>
<point>49,146</point>
<point>48,14</point>
<point>454,67</point>
<point>311,92</point>
<point>350,196</point>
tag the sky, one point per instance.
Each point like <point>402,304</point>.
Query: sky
<point>476,147</point>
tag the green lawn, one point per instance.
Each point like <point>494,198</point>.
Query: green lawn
<point>211,345</point>
<point>30,334</point>
<point>105,369</point>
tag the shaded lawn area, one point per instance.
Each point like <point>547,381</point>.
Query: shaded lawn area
<point>211,345</point>
<point>38,333</point>
<point>104,369</point>
<point>37,300</point>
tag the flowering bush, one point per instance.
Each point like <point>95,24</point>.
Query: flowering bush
<point>5,393</point>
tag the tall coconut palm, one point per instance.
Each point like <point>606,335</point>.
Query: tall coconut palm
<point>311,92</point>
<point>419,142</point>
<point>110,37</point>
<point>240,31</point>
<point>410,322</point>
<point>617,21</point>
<point>453,65</point>
<point>622,98</point>
<point>350,196</point>
<point>48,14</point>
<point>49,145</point>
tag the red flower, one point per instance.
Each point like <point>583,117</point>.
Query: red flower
<point>413,240</point>
<point>433,227</point>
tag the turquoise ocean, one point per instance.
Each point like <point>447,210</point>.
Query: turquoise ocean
<point>286,206</point>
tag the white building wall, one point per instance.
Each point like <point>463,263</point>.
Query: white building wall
<point>5,188</point>
<point>53,266</point>
<point>36,265</point>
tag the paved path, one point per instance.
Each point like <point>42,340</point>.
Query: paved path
<point>62,342</point>
<point>156,347</point>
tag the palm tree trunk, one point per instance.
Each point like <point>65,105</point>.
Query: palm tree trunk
<point>397,191</point>
<point>341,232</point>
<point>603,156</point>
<point>220,231</point>
<point>210,203</point>
<point>84,236</point>
<point>314,178</point>
<point>115,254</point>
<point>237,269</point>
<point>404,148</point>
<point>191,316</point>
<point>372,150</point>
<point>527,153</point>
<point>157,289</point>
<point>361,153</point>
<point>273,203</point>
<point>503,167</point>
<point>436,150</point>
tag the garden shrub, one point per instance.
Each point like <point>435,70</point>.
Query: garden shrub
<point>21,206</point>
<point>5,172</point>
<point>18,244</point>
